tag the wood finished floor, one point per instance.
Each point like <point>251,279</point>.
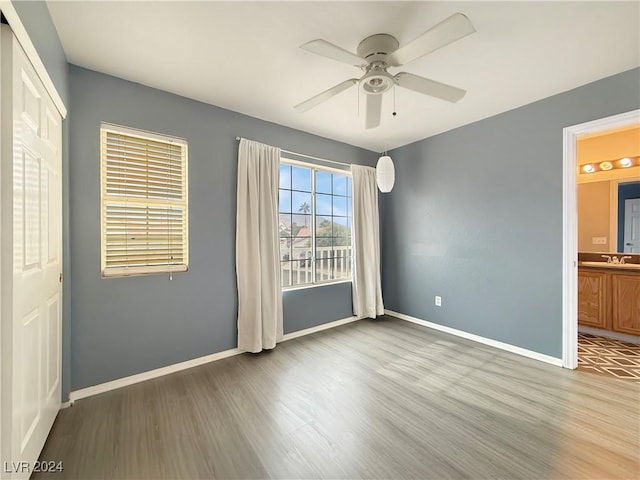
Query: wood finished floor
<point>371,399</point>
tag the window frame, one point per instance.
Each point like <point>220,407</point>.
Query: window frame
<point>130,271</point>
<point>315,167</point>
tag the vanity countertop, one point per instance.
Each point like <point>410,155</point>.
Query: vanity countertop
<point>621,267</point>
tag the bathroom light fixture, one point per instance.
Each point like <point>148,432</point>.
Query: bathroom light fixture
<point>385,173</point>
<point>610,165</point>
<point>626,162</point>
<point>606,166</point>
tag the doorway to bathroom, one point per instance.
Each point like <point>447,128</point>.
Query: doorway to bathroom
<point>601,326</point>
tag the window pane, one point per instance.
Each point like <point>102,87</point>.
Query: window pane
<point>333,265</point>
<point>297,273</point>
<point>301,248</point>
<point>323,204</point>
<point>301,226</point>
<point>341,242</point>
<point>285,176</point>
<point>340,206</point>
<point>301,179</point>
<point>301,202</point>
<point>323,227</point>
<point>284,201</point>
<point>342,264</point>
<point>285,274</point>
<point>349,207</point>
<point>323,182</point>
<point>339,184</point>
<point>284,226</point>
<point>323,244</point>
<point>341,226</point>
<point>325,269</point>
<point>285,248</point>
<point>349,186</point>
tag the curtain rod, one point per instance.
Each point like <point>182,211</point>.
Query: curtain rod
<point>309,156</point>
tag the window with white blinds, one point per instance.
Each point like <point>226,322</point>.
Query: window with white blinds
<point>144,202</point>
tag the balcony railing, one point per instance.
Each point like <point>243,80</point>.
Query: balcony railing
<point>331,263</point>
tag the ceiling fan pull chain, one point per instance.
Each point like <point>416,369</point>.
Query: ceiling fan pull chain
<point>394,102</point>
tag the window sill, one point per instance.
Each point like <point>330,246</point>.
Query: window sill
<point>314,285</point>
<point>131,272</point>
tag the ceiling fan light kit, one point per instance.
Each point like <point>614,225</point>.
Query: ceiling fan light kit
<point>375,54</point>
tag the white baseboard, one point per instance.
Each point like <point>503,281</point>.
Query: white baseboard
<point>64,405</point>
<point>477,338</point>
<point>319,328</point>
<point>141,377</point>
<point>159,372</point>
<point>609,334</point>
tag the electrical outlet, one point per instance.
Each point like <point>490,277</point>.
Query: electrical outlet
<point>598,240</point>
<point>438,301</point>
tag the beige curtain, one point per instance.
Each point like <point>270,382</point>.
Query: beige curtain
<point>257,251</point>
<point>367,285</point>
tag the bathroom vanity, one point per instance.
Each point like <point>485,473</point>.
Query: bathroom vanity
<point>609,296</point>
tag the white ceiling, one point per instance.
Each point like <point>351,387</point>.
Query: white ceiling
<point>244,56</point>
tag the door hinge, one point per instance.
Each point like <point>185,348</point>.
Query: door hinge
<point>60,278</point>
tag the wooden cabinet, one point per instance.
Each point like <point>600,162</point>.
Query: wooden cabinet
<point>625,296</point>
<point>592,298</point>
<point>609,299</point>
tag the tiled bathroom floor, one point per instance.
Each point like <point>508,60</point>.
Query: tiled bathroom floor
<point>608,356</point>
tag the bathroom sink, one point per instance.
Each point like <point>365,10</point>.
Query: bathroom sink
<point>611,265</point>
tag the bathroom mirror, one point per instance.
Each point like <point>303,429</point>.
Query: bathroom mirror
<point>609,216</point>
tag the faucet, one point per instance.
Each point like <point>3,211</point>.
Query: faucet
<point>608,257</point>
<point>622,260</point>
<point>615,260</point>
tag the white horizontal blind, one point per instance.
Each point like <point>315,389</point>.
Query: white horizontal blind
<point>144,202</point>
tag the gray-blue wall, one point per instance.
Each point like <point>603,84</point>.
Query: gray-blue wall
<point>476,217</point>
<point>36,19</point>
<point>123,326</point>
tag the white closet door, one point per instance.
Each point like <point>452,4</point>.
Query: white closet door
<point>36,253</point>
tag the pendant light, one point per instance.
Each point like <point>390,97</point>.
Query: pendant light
<point>385,173</point>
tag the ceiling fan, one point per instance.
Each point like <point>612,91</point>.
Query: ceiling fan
<point>375,54</point>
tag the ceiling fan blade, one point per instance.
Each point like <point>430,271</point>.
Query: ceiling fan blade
<point>373,110</point>
<point>329,50</point>
<point>429,87</point>
<point>448,31</point>
<point>324,96</point>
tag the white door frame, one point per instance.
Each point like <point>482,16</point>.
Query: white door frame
<point>570,226</point>
<point>20,31</point>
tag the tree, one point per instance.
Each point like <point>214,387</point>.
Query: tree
<point>305,209</point>
<point>330,234</point>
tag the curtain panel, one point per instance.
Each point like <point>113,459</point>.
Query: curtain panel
<point>367,284</point>
<point>257,248</point>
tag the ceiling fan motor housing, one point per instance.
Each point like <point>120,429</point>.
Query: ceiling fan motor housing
<point>375,50</point>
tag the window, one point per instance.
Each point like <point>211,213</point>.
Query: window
<point>144,202</point>
<point>315,224</point>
